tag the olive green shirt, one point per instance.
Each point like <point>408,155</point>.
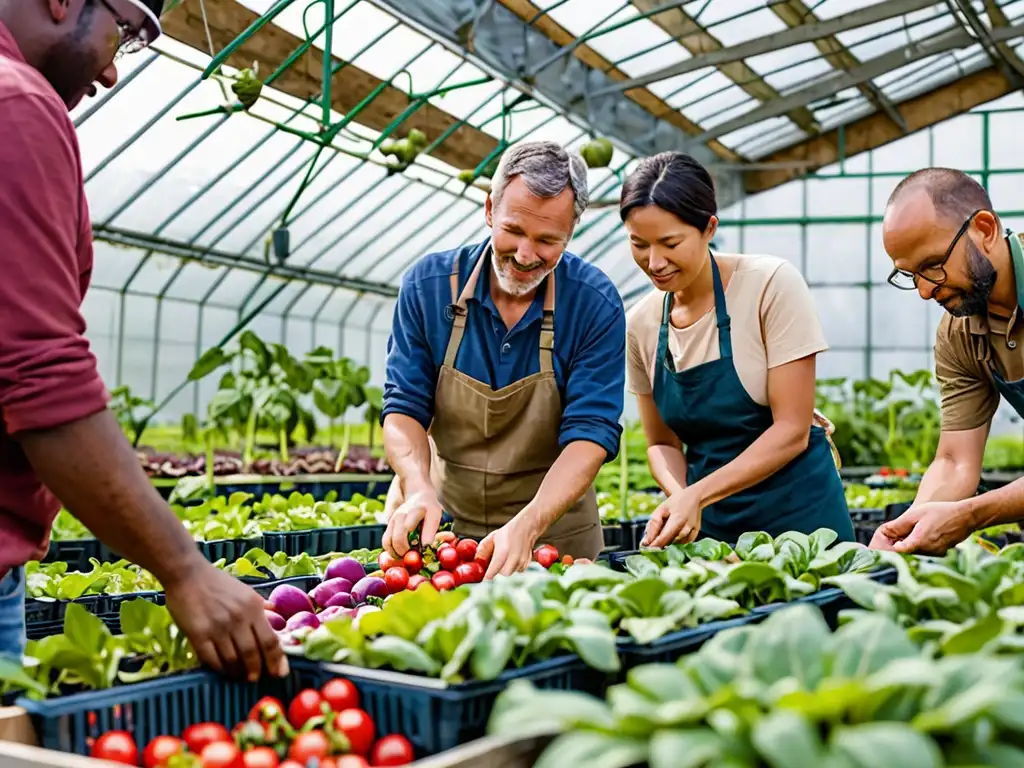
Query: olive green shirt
<point>967,349</point>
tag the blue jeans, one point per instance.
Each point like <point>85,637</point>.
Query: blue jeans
<point>12,613</point>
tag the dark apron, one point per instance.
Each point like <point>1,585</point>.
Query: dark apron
<point>715,418</point>
<point>1013,391</point>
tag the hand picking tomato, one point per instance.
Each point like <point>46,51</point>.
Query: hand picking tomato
<point>266,709</point>
<point>357,727</point>
<point>159,749</point>
<point>117,747</point>
<point>546,555</point>
<point>309,745</point>
<point>392,750</point>
<point>465,573</point>
<point>305,706</point>
<point>221,754</point>
<point>413,561</point>
<point>466,550</point>
<point>340,694</point>
<point>416,581</point>
<point>197,736</point>
<point>443,580</point>
<point>385,561</point>
<point>448,558</point>
<point>396,578</point>
<point>260,757</point>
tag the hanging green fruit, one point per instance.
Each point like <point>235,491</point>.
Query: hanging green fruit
<point>467,176</point>
<point>248,86</point>
<point>597,153</point>
<point>417,138</point>
<point>405,150</point>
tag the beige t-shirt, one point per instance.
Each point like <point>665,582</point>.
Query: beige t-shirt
<point>774,322</point>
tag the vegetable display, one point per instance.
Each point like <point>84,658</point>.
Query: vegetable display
<point>324,727</point>
<point>787,693</point>
<point>860,496</point>
<point>639,505</point>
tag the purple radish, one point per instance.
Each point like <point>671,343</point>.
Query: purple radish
<point>345,568</point>
<point>303,619</point>
<point>369,586</point>
<point>276,620</point>
<point>341,600</point>
<point>325,590</point>
<point>289,600</point>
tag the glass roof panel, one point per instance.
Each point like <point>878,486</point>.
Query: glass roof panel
<point>790,68</point>
<point>194,281</point>
<point>690,96</point>
<point>113,264</point>
<point>712,14</point>
<point>757,23</point>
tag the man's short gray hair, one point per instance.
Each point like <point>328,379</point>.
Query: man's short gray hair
<point>546,169</point>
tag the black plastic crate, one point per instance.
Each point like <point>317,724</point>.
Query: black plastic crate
<point>633,532</point>
<point>669,648</point>
<point>75,552</point>
<point>614,536</point>
<point>359,537</point>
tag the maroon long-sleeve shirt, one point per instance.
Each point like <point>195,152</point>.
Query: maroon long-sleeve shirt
<point>48,375</point>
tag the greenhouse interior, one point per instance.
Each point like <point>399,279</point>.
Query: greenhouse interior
<point>699,573</point>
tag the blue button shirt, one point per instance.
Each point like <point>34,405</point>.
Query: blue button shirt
<point>589,354</point>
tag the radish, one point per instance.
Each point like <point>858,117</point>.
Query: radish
<point>289,600</point>
<point>345,568</point>
<point>276,620</point>
<point>340,600</point>
<point>303,619</point>
<point>322,593</point>
<point>369,586</point>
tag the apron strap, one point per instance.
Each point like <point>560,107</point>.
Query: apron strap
<point>1017,254</point>
<point>547,328</point>
<point>721,313</point>
<point>458,309</point>
<point>663,353</point>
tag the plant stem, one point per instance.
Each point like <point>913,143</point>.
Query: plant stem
<point>346,436</point>
<point>209,457</point>
<point>250,437</point>
<point>283,439</point>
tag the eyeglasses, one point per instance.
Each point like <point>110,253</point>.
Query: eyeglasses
<point>935,273</point>
<point>131,39</point>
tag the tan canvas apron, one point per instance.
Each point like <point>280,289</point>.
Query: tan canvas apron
<point>492,448</point>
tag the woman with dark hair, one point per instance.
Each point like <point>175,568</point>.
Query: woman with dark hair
<point>722,361</point>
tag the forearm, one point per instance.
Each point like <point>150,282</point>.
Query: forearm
<point>774,449</point>
<point>1003,505</point>
<point>93,470</point>
<point>565,483</point>
<point>668,466</point>
<point>408,452</point>
<point>946,480</point>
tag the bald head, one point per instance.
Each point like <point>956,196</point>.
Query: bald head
<point>953,194</point>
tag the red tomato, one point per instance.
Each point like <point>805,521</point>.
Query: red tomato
<point>465,573</point>
<point>567,560</point>
<point>448,558</point>
<point>291,764</point>
<point>444,537</point>
<point>340,694</point>
<point>466,550</point>
<point>396,578</point>
<point>266,709</point>
<point>351,761</point>
<point>443,580</point>
<point>159,749</point>
<point>546,555</point>
<point>117,747</point>
<point>482,563</point>
<point>309,745</point>
<point>221,754</point>
<point>413,561</point>
<point>261,757</point>
<point>392,750</point>
<point>416,581</point>
<point>358,729</point>
<point>304,706</point>
<point>479,571</point>
<point>197,736</point>
<point>385,561</point>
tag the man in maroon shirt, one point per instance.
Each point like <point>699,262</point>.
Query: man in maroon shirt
<point>57,438</point>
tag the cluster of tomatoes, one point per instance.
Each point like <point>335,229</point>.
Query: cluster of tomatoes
<point>448,563</point>
<point>324,728</point>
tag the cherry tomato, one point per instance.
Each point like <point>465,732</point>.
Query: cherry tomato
<point>261,757</point>
<point>448,558</point>
<point>351,761</point>
<point>392,750</point>
<point>465,573</point>
<point>479,571</point>
<point>304,706</point>
<point>266,709</point>
<point>566,560</point>
<point>309,745</point>
<point>413,561</point>
<point>443,580</point>
<point>466,550</point>
<point>221,754</point>
<point>385,561</point>
<point>159,749</point>
<point>358,729</point>
<point>444,537</point>
<point>396,578</point>
<point>197,736</point>
<point>117,747</point>
<point>546,555</point>
<point>416,581</point>
<point>482,563</point>
<point>340,694</point>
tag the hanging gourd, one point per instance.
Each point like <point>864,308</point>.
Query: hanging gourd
<point>405,150</point>
<point>597,153</point>
<point>248,86</point>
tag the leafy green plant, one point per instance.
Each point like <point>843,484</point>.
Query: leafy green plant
<point>860,496</point>
<point>53,581</point>
<point>125,407</point>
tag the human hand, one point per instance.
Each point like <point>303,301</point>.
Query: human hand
<point>225,621</point>
<point>420,506</point>
<point>677,519</point>
<point>929,529</point>
<point>510,548</point>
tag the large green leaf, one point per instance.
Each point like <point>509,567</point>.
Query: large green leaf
<point>787,740</point>
<point>900,744</point>
<point>594,750</point>
<point>788,645</point>
<point>208,362</point>
<point>864,646</point>
<point>690,748</point>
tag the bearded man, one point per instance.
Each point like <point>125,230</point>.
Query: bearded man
<point>948,244</point>
<point>505,375</point>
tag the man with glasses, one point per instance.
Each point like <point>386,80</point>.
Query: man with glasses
<point>57,438</point>
<point>948,244</point>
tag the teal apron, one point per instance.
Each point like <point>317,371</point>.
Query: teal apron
<point>1013,391</point>
<point>715,418</point>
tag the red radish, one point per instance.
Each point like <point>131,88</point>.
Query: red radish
<point>546,555</point>
<point>466,550</point>
<point>413,561</point>
<point>396,578</point>
<point>465,573</point>
<point>415,582</point>
<point>385,560</point>
<point>393,749</point>
<point>448,558</point>
<point>443,580</point>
